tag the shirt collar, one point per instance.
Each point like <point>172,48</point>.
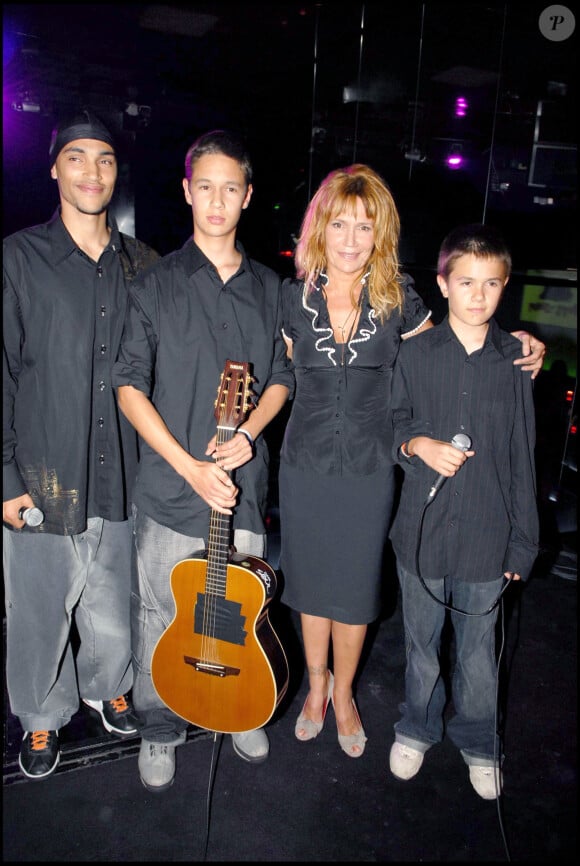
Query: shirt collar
<point>194,258</point>
<point>494,337</point>
<point>444,333</point>
<point>315,297</point>
<point>63,245</point>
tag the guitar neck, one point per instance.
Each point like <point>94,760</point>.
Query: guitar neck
<point>223,435</point>
<point>218,548</point>
<point>231,407</point>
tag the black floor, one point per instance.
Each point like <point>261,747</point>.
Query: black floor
<point>310,802</point>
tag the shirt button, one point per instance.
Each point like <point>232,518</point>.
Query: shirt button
<point>101,459</point>
<point>103,310</point>
<point>225,326</point>
<point>101,422</point>
<point>103,350</point>
<point>102,385</point>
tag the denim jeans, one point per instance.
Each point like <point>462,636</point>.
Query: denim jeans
<point>51,580</point>
<point>158,549</point>
<point>472,728</point>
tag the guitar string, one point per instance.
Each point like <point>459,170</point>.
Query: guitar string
<point>218,549</point>
<point>209,599</point>
<point>218,544</point>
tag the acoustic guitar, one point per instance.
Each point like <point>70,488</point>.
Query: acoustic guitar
<point>219,664</point>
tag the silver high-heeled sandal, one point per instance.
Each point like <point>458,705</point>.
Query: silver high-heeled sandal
<point>309,728</point>
<point>353,744</point>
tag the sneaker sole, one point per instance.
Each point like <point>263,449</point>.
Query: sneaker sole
<point>157,789</point>
<point>404,778</point>
<point>118,733</point>
<point>39,776</point>
<point>250,759</point>
<point>107,725</point>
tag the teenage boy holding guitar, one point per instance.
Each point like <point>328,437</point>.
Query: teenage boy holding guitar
<point>197,308</point>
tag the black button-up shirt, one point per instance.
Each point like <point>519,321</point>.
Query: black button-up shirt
<point>484,520</point>
<point>65,441</point>
<point>340,422</point>
<point>183,324</point>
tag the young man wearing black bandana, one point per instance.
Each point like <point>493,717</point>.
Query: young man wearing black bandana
<point>69,454</point>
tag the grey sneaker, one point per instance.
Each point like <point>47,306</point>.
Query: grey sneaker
<point>251,746</point>
<point>486,780</point>
<point>404,761</point>
<point>156,765</point>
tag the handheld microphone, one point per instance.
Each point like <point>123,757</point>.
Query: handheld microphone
<point>462,442</point>
<point>31,516</point>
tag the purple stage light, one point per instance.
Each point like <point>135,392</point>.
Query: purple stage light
<point>454,160</point>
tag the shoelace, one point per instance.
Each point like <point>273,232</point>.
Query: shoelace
<point>120,704</point>
<point>39,740</point>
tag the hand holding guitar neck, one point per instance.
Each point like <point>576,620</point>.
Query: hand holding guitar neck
<point>219,664</point>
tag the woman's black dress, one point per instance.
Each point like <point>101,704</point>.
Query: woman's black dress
<point>336,478</point>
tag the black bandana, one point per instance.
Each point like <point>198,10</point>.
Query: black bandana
<point>82,125</point>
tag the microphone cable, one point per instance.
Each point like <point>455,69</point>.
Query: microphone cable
<point>215,752</point>
<point>497,739</point>
<point>428,502</point>
<point>498,599</point>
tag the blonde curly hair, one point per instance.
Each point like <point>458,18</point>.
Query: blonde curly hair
<point>338,193</point>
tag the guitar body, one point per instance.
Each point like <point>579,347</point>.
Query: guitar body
<point>219,664</point>
<point>233,680</point>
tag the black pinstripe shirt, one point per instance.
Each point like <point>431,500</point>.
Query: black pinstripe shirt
<point>182,324</point>
<point>484,520</point>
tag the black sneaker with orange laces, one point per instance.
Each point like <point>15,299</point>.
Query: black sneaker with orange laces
<point>39,754</point>
<point>118,715</point>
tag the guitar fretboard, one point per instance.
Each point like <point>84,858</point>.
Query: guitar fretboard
<point>219,536</point>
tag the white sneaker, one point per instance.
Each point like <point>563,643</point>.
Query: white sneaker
<point>404,761</point>
<point>252,746</point>
<point>485,781</point>
<point>156,765</point>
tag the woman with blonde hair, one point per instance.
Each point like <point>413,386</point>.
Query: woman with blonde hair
<point>344,317</point>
